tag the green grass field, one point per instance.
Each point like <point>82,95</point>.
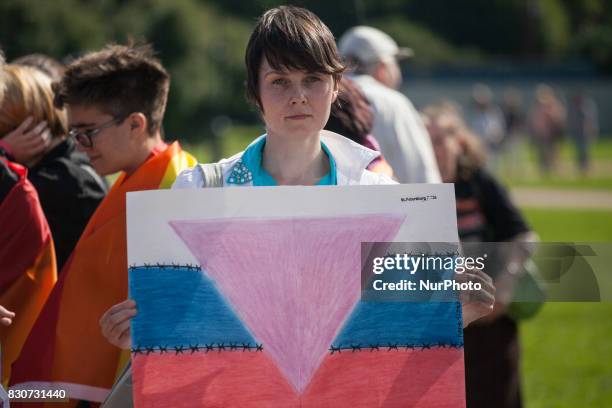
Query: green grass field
<point>521,170</point>
<point>234,140</point>
<point>567,347</point>
<point>516,171</point>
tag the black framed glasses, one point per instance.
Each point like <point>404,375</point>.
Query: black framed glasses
<point>85,137</point>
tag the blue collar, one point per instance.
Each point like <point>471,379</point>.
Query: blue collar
<point>249,168</point>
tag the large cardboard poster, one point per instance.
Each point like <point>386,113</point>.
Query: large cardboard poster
<point>250,297</point>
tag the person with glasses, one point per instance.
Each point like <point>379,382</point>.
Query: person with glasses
<point>68,187</point>
<point>85,137</point>
<point>115,100</point>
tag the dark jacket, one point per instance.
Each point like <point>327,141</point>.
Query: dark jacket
<point>70,191</point>
<point>8,179</point>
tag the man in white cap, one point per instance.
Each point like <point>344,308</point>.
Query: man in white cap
<point>404,141</point>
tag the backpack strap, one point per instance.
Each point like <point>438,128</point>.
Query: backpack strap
<point>212,174</point>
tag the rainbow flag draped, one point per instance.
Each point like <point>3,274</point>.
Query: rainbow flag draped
<point>27,263</point>
<point>66,348</point>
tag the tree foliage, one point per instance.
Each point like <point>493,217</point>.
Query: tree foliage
<point>202,42</point>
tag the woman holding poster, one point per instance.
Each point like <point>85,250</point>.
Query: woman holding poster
<point>293,74</point>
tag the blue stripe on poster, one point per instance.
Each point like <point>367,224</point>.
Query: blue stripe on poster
<point>405,324</point>
<point>181,306</point>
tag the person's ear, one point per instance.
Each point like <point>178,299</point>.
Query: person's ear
<point>380,72</point>
<point>336,89</point>
<point>138,124</point>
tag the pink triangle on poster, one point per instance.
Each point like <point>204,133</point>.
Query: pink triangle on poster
<point>292,281</point>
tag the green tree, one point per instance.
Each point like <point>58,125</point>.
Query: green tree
<point>201,47</point>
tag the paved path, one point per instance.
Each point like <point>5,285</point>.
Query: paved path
<point>562,198</point>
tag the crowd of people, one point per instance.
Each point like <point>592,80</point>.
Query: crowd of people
<point>505,128</point>
<point>333,116</point>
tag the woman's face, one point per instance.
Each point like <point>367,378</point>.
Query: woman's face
<point>295,103</point>
<point>444,132</point>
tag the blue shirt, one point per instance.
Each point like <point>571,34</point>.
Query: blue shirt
<point>251,169</point>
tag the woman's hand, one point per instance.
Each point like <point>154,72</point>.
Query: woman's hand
<point>115,324</point>
<point>476,303</point>
<point>6,316</point>
<point>26,144</point>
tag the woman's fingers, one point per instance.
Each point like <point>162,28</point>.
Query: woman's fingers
<point>120,316</point>
<point>109,321</point>
<point>125,340</point>
<point>23,136</point>
<point>116,321</point>
<point>485,295</point>
<point>126,304</point>
<point>476,302</point>
<point>119,328</point>
<point>5,312</point>
<point>23,126</point>
<point>38,143</point>
<point>25,145</point>
<point>36,130</point>
<point>474,275</point>
<point>6,316</point>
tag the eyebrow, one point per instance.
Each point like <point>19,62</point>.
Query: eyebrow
<point>274,71</point>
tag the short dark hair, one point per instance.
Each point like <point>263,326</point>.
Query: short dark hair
<point>118,80</point>
<point>290,37</point>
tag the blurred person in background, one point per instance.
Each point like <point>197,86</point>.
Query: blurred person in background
<point>352,117</point>
<point>397,125</point>
<point>546,125</point>
<point>583,127</point>
<point>69,188</point>
<point>27,257</point>
<point>514,140</point>
<point>487,121</point>
<point>485,213</point>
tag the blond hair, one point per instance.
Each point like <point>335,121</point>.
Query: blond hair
<point>28,92</point>
<point>472,157</point>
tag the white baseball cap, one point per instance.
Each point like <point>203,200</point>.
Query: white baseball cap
<point>369,44</point>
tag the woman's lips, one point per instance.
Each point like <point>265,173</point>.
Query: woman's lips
<point>298,117</point>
